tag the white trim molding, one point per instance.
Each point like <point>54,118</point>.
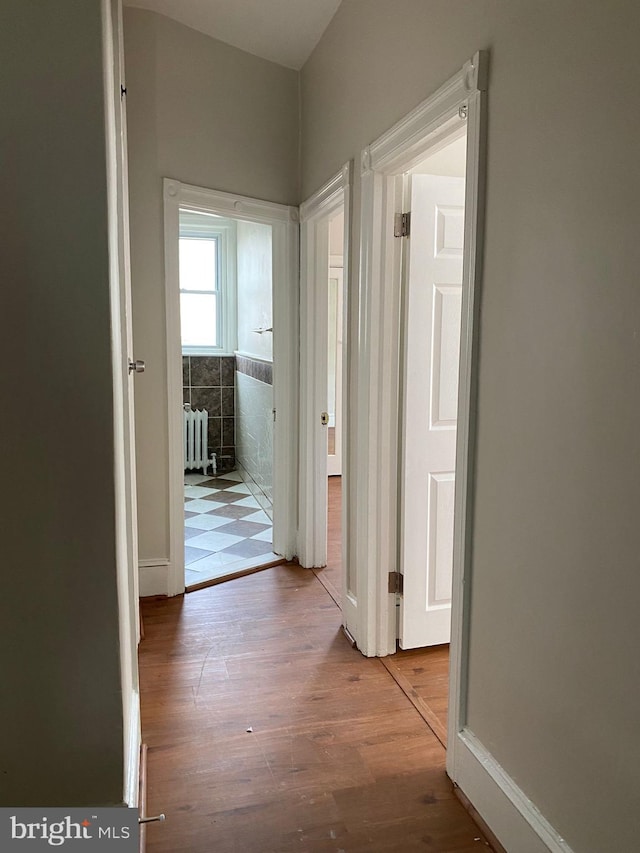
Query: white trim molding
<point>132,753</point>
<point>431,124</point>
<point>476,119</point>
<point>154,574</point>
<point>328,199</point>
<point>284,222</point>
<point>228,204</point>
<point>458,105</point>
<point>419,132</point>
<point>511,815</point>
<point>377,395</point>
<point>315,214</point>
<point>383,162</point>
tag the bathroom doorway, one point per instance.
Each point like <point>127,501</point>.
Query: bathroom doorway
<point>226,327</point>
<point>220,272</point>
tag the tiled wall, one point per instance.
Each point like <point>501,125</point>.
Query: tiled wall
<point>254,421</point>
<point>260,370</point>
<point>208,383</point>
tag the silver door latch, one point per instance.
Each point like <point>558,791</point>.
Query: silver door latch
<point>324,418</point>
<point>159,817</point>
<point>136,366</point>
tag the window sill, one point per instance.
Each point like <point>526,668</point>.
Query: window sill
<point>195,351</point>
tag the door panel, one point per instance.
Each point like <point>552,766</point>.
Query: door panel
<point>446,348</point>
<point>433,300</point>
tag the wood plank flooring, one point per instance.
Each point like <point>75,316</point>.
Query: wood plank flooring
<point>331,576</point>
<point>337,758</point>
<point>423,675</point>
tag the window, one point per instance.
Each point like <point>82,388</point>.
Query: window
<point>199,291</point>
<point>206,273</point>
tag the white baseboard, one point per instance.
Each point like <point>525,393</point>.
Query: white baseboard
<point>512,817</point>
<point>132,754</point>
<point>154,577</point>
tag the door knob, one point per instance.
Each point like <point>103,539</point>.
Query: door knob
<point>136,366</point>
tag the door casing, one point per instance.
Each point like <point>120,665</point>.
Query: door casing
<point>462,100</point>
<point>315,214</point>
<point>284,221</point>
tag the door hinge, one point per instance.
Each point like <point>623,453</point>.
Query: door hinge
<point>402,225</point>
<point>396,583</point>
<point>123,91</point>
<point>274,413</point>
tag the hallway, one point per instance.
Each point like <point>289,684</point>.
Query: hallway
<point>337,758</point>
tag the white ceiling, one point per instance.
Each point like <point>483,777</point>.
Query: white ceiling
<point>284,31</point>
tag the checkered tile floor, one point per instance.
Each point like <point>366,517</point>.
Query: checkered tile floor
<point>225,529</point>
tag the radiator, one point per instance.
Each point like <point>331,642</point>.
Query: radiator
<point>195,439</point>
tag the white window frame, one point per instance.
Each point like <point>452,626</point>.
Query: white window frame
<point>224,233</point>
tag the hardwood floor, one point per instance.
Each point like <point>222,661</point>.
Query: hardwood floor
<point>423,675</point>
<point>331,576</point>
<point>268,733</point>
<point>337,758</point>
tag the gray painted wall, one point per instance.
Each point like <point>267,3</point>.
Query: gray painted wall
<point>554,682</point>
<point>60,703</point>
<point>211,115</point>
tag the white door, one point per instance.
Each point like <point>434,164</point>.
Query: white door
<point>120,292</point>
<point>126,310</point>
<point>334,363</point>
<point>433,301</point>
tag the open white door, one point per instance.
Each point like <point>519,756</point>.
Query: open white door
<point>130,366</point>
<point>123,369</point>
<point>334,359</point>
<point>433,289</point>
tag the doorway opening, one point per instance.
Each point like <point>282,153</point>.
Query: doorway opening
<point>221,265</point>
<point>434,190</point>
<point>331,575</point>
<point>419,280</point>
<point>324,312</point>
<point>335,344</point>
<point>226,326</point>
<point>430,365</point>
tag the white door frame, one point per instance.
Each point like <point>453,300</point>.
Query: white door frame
<point>284,221</point>
<point>427,128</point>
<point>123,413</point>
<point>315,214</point>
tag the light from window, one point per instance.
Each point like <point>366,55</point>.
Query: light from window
<point>199,291</point>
